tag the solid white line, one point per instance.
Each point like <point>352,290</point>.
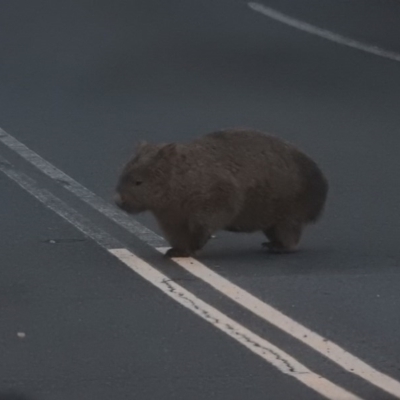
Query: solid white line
<point>58,206</point>
<point>80,191</point>
<point>318,343</point>
<point>266,350</point>
<point>322,345</point>
<point>323,33</point>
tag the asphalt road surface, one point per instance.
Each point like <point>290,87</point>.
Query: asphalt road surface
<point>89,309</point>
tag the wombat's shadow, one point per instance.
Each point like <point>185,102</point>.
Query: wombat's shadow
<point>324,259</point>
<point>257,259</point>
<point>243,255</point>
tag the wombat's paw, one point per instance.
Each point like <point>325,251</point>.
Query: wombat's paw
<point>175,253</point>
<point>274,249</point>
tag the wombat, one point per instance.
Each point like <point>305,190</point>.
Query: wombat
<point>236,180</point>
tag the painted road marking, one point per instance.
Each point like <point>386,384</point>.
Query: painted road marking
<point>266,350</point>
<point>58,206</point>
<point>80,191</point>
<point>323,33</point>
<point>312,339</point>
<point>270,314</point>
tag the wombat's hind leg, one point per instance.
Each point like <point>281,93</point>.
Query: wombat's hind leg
<point>283,237</point>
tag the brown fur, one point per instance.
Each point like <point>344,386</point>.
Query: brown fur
<point>234,180</point>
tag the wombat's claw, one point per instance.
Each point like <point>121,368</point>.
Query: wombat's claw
<point>176,253</point>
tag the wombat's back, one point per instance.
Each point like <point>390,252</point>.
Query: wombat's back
<point>278,178</point>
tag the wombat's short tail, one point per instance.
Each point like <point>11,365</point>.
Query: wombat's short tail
<point>319,191</point>
<point>315,189</point>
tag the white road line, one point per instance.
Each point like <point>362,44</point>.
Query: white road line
<point>266,350</point>
<point>323,33</point>
<point>316,342</point>
<point>80,191</point>
<point>312,339</point>
<point>58,206</point>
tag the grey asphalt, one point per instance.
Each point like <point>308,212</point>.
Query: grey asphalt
<point>82,81</point>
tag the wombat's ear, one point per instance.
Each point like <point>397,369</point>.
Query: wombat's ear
<point>140,146</point>
<point>167,150</point>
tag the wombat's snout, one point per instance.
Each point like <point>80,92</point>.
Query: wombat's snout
<point>122,203</point>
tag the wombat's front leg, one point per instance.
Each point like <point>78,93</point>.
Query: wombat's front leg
<point>185,244</point>
<point>174,252</point>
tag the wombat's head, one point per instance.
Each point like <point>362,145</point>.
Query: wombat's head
<point>144,179</point>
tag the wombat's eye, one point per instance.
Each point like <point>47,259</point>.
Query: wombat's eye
<point>137,183</point>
